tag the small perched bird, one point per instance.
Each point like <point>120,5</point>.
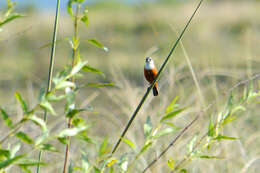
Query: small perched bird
<point>150,73</point>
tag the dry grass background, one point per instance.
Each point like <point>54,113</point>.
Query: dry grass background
<point>222,45</point>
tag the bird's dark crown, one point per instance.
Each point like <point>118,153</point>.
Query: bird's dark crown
<point>148,59</point>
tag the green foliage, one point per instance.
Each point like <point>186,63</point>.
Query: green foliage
<point>6,118</point>
<point>129,143</point>
<point>84,18</point>
<point>88,68</point>
<point>22,102</point>
<point>97,44</point>
<point>98,85</point>
<point>65,91</point>
<point>24,137</point>
<point>9,14</point>
<point>171,163</point>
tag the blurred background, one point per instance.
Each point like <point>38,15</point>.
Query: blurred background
<point>222,45</point>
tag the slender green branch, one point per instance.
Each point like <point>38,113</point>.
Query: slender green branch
<point>156,78</point>
<point>52,58</point>
<point>74,60</point>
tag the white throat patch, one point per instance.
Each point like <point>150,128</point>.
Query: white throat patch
<point>149,65</point>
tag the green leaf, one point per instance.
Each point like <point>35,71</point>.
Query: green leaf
<point>74,112</point>
<point>29,162</point>
<point>24,137</point>
<point>75,44</point>
<point>99,84</point>
<point>4,153</point>
<point>97,44</point>
<point>63,140</point>
<point>145,147</point>
<point>47,107</point>
<point>26,169</point>
<point>88,68</point>
<point>210,157</point>
<point>78,121</point>
<point>85,162</point>
<point>79,66</point>
<point>171,124</point>
<point>70,100</point>
<point>96,170</point>
<point>220,137</point>
<point>72,131</point>
<point>71,167</point>
<point>10,18</point>
<point>69,8</point>
<point>14,150</point>
<point>111,170</point>
<point>228,120</point>
<point>65,84</point>
<point>171,114</point>
<point>85,138</point>
<point>183,171</point>
<point>164,132</point>
<point>103,149</point>
<point>148,127</point>
<point>8,162</point>
<point>39,122</point>
<point>171,163</point>
<point>41,139</point>
<point>84,18</point>
<point>211,128</point>
<point>22,102</point>
<point>129,143</point>
<point>238,108</point>
<point>172,105</point>
<point>53,98</point>
<point>48,147</point>
<point>191,144</point>
<point>6,118</point>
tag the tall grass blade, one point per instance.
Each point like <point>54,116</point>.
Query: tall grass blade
<point>51,66</point>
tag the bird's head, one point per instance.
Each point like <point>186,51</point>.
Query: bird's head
<point>149,60</point>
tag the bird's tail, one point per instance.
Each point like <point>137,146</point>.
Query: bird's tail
<point>155,90</point>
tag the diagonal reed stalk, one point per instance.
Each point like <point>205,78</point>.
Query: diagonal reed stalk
<point>74,60</point>
<point>52,58</point>
<point>172,143</point>
<point>156,78</point>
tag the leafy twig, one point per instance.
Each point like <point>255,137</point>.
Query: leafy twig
<point>74,59</point>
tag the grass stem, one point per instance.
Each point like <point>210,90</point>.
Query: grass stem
<point>52,58</point>
<point>156,78</point>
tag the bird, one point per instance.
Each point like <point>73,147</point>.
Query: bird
<point>150,73</point>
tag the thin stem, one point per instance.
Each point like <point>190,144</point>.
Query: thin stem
<point>52,58</point>
<point>74,60</point>
<point>156,78</point>
<point>172,143</point>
